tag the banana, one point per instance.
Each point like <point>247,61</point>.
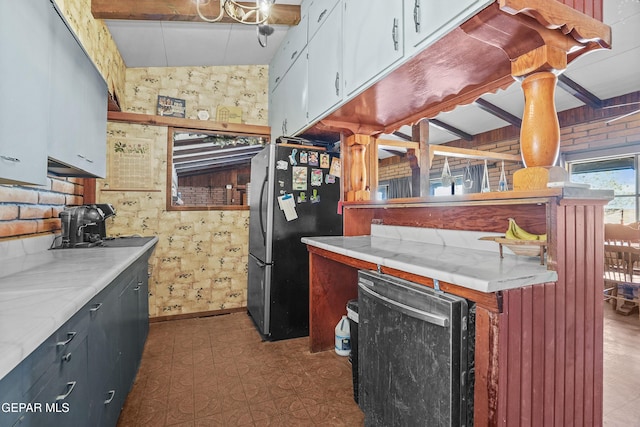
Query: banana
<point>518,233</point>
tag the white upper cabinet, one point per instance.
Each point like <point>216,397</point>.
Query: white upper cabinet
<point>318,13</point>
<point>427,20</point>
<point>289,50</point>
<point>25,55</point>
<point>78,108</point>
<point>288,102</point>
<point>325,61</point>
<point>373,40</point>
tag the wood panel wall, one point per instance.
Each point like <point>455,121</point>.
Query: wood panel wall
<point>550,336</point>
<point>592,8</point>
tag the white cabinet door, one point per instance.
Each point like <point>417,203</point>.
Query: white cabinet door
<point>427,20</point>
<point>318,13</point>
<point>25,53</point>
<point>78,107</point>
<point>289,50</point>
<point>373,39</point>
<point>288,103</point>
<point>325,65</point>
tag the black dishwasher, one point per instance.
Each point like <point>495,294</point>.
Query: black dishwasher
<point>412,353</point>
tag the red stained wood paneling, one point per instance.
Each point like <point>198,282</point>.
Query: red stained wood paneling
<point>551,335</point>
<point>592,8</point>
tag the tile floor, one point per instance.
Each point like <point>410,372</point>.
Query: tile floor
<point>216,371</point>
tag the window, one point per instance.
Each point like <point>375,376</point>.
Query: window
<point>209,169</point>
<point>619,174</point>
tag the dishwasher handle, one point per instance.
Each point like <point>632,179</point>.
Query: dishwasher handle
<point>405,309</point>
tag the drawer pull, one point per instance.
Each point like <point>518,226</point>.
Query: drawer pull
<point>96,307</point>
<point>70,336</point>
<point>66,357</point>
<point>394,34</point>
<point>70,387</point>
<point>137,288</point>
<point>112,394</point>
<point>294,54</point>
<point>10,159</point>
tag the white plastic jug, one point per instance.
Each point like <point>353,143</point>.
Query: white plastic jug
<point>343,337</point>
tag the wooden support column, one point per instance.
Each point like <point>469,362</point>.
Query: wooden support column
<point>420,133</point>
<point>358,180</point>
<point>540,130</point>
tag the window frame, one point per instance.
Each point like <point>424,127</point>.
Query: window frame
<point>171,130</point>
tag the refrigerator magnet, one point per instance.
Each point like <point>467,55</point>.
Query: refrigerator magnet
<point>282,165</point>
<point>335,167</point>
<point>315,197</point>
<point>299,178</point>
<point>324,160</point>
<point>329,179</point>
<point>302,197</point>
<point>292,157</point>
<point>313,158</point>
<point>316,177</point>
<point>304,157</point>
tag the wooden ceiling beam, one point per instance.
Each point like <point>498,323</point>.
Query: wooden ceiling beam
<point>181,10</point>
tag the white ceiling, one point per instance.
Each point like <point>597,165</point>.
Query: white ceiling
<point>605,73</point>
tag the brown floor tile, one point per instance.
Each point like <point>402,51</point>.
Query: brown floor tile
<point>216,371</point>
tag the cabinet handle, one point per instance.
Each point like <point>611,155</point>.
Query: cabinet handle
<point>337,84</point>
<point>70,336</point>
<point>10,159</point>
<point>277,79</point>
<point>293,55</point>
<point>137,288</point>
<point>96,307</point>
<point>80,155</point>
<point>324,12</point>
<point>394,33</point>
<point>284,127</point>
<point>70,387</point>
<point>416,15</point>
<point>66,357</point>
<point>111,394</point>
<point>89,160</point>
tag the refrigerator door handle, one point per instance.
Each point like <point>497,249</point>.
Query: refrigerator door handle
<point>260,263</point>
<point>264,185</point>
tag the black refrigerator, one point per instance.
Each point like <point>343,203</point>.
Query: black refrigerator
<point>294,193</point>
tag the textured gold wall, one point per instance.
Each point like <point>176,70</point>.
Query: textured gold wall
<point>200,262</point>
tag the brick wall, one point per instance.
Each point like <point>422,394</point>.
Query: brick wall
<point>393,167</point>
<point>27,211</point>
<point>582,130</point>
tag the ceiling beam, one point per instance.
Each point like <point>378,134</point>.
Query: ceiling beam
<point>579,92</point>
<point>498,112</point>
<point>402,135</point>
<point>454,131</point>
<point>181,10</point>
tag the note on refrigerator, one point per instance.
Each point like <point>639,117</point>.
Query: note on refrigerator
<point>288,206</point>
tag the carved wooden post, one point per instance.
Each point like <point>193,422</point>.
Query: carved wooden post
<point>540,131</point>
<point>357,179</point>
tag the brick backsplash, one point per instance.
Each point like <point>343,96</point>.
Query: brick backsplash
<point>27,211</point>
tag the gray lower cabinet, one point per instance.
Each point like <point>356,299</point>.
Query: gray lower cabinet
<point>81,375</point>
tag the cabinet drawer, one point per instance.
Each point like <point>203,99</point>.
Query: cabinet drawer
<point>52,352</point>
<point>61,395</point>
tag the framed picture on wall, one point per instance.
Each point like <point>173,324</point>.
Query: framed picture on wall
<point>171,107</point>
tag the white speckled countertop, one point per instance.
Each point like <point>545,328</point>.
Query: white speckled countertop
<point>41,289</point>
<point>451,256</point>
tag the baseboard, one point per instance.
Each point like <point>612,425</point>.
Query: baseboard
<point>196,315</point>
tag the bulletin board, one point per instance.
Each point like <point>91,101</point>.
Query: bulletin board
<point>130,165</point>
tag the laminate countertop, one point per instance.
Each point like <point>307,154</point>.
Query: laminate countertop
<point>41,289</point>
<point>456,257</point>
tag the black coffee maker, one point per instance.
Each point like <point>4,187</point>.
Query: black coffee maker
<point>84,226</point>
